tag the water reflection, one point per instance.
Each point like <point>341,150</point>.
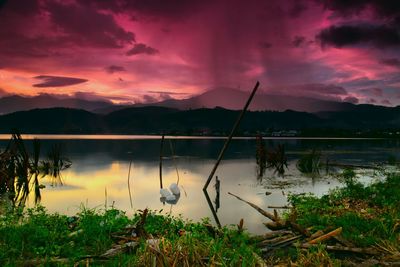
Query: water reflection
<point>100,164</point>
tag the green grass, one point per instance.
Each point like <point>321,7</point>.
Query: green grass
<point>36,234</point>
<point>368,214</point>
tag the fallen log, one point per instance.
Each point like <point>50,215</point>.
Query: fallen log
<point>281,244</point>
<point>272,234</point>
<point>119,249</point>
<point>260,210</point>
<point>279,207</point>
<point>277,222</point>
<point>273,241</point>
<point>369,251</point>
<point>326,236</point>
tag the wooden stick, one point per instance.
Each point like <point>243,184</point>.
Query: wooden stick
<point>227,142</point>
<point>161,155</point>
<point>272,234</point>
<point>326,236</point>
<point>260,210</point>
<point>279,207</point>
<point>369,251</point>
<point>129,186</point>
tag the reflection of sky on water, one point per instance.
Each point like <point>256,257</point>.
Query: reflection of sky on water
<point>103,164</point>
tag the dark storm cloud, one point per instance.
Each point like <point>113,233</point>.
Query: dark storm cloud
<point>297,8</point>
<point>114,68</point>
<point>265,45</point>
<point>172,9</point>
<point>351,99</point>
<point>371,101</point>
<point>87,26</point>
<point>142,49</point>
<point>381,8</point>
<point>380,36</point>
<point>394,62</point>
<point>298,41</point>
<point>21,7</point>
<point>57,81</point>
<point>386,102</point>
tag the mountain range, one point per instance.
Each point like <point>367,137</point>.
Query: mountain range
<point>366,119</point>
<point>222,97</point>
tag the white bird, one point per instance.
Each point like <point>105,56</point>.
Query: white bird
<point>174,189</point>
<point>166,194</point>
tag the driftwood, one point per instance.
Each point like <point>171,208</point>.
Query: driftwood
<point>368,251</point>
<point>260,210</point>
<point>274,240</point>
<point>277,223</point>
<point>119,249</point>
<point>281,244</point>
<point>279,207</point>
<point>326,236</point>
<point>272,234</point>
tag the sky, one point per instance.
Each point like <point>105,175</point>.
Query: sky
<point>151,50</point>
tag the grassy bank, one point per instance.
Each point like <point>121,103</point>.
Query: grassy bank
<point>369,217</point>
<point>111,238</point>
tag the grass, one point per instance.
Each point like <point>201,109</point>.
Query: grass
<point>36,234</point>
<point>369,214</point>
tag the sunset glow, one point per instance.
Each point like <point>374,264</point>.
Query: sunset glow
<point>147,51</point>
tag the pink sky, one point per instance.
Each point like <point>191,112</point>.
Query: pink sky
<point>148,50</point>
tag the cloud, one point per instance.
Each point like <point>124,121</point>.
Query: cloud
<point>371,101</point>
<point>57,81</point>
<point>317,91</point>
<point>386,102</point>
<point>265,45</point>
<point>142,49</point>
<point>351,99</point>
<point>381,8</point>
<point>149,99</point>
<point>114,68</point>
<point>3,92</point>
<point>394,62</point>
<point>377,92</point>
<point>21,7</point>
<point>380,36</point>
<point>166,92</point>
<point>88,26</point>
<point>298,41</point>
<point>297,8</point>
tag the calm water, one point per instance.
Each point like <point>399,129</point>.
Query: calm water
<point>101,163</point>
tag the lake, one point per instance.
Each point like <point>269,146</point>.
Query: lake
<point>100,164</point>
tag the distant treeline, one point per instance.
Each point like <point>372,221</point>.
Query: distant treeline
<point>364,121</point>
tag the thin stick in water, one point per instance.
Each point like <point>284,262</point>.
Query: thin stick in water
<point>227,142</point>
<point>129,186</point>
<point>161,156</point>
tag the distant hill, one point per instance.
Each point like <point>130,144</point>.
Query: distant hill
<point>53,120</point>
<point>218,121</point>
<point>14,103</point>
<point>234,99</point>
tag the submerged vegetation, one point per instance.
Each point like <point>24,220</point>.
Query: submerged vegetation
<point>310,163</point>
<point>273,158</point>
<point>20,170</point>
